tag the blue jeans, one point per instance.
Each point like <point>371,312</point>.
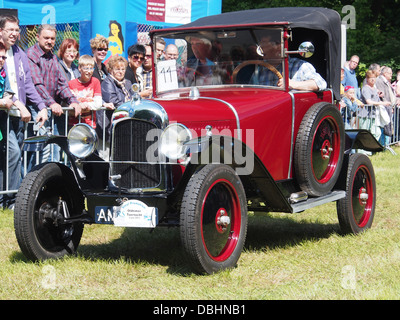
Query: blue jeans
<point>14,158</point>
<point>384,139</point>
<point>50,152</point>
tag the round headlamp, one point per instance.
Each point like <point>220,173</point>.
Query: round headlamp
<point>172,141</point>
<point>82,140</point>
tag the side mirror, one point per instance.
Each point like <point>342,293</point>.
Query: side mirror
<point>306,50</point>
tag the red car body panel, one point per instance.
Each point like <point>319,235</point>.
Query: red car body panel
<point>257,110</point>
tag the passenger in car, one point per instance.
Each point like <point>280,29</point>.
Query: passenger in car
<point>302,74</point>
<point>200,69</point>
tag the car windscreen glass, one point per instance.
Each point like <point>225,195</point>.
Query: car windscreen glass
<point>220,57</point>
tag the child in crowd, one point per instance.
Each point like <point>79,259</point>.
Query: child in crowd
<point>87,90</point>
<point>349,106</point>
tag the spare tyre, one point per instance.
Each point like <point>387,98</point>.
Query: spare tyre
<point>319,149</point>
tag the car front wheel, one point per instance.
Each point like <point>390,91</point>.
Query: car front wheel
<point>213,218</point>
<point>37,230</point>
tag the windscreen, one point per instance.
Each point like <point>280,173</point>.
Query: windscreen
<point>220,57</point>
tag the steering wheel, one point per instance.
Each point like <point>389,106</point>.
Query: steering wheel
<point>256,62</point>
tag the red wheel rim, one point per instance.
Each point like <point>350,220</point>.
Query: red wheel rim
<point>220,220</point>
<point>362,196</point>
<point>325,150</point>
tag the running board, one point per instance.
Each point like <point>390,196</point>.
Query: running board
<point>313,202</point>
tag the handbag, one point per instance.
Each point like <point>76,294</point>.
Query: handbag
<point>388,130</point>
<point>384,118</point>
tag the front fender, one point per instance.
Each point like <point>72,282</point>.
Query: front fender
<point>38,143</point>
<point>361,139</point>
<point>222,149</point>
<point>255,177</point>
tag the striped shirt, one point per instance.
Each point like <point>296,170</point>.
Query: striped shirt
<point>147,78</point>
<point>48,78</point>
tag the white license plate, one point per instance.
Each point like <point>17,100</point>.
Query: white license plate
<point>132,213</point>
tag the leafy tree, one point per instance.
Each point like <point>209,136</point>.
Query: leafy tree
<point>375,38</point>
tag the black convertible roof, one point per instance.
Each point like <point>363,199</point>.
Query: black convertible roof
<point>297,17</point>
<point>323,19</point>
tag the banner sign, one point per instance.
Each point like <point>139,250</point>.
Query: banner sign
<point>169,11</point>
<point>152,12</point>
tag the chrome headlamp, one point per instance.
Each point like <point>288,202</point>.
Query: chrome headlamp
<point>82,140</point>
<point>172,141</point>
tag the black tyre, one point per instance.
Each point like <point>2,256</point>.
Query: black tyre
<point>319,149</point>
<point>213,220</point>
<point>39,237</point>
<point>356,211</point>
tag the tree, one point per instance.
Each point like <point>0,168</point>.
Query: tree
<point>376,33</point>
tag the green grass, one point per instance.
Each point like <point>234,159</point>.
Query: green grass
<point>299,256</point>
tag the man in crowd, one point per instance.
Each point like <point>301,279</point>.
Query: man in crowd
<point>350,78</point>
<point>383,84</point>
<point>160,46</point>
<point>19,77</point>
<point>51,83</point>
<point>147,69</point>
<point>171,52</point>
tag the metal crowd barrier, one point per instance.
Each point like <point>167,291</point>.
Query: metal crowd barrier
<point>366,117</point>
<point>24,155</point>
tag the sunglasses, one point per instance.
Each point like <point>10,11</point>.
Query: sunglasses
<point>3,58</point>
<point>102,49</point>
<point>138,58</point>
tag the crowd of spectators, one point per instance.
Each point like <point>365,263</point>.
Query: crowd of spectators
<point>42,85</point>
<point>373,104</point>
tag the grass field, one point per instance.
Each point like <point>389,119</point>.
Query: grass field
<point>300,256</point>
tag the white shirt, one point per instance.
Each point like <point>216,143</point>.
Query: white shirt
<point>11,74</point>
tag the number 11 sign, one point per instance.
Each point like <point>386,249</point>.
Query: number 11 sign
<point>167,77</point>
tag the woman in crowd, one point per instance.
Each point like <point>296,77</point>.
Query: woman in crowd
<point>136,55</point>
<point>99,46</point>
<point>68,53</point>
<point>115,89</point>
<point>370,96</point>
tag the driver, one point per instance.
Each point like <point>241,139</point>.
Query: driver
<point>302,74</point>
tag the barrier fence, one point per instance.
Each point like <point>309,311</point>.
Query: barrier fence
<point>382,122</point>
<point>367,117</point>
<point>33,129</point>
<point>27,38</point>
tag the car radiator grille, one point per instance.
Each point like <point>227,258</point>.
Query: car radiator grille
<point>129,144</point>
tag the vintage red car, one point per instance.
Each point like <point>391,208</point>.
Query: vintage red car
<point>229,129</point>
